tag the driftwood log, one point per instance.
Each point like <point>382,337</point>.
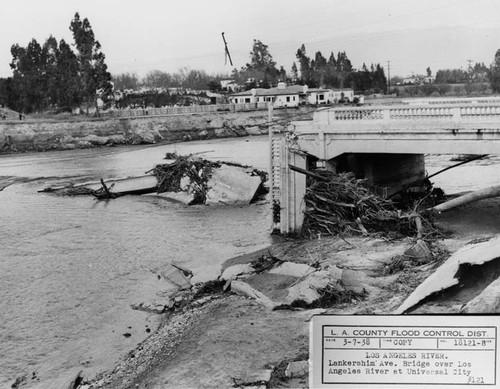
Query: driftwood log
<point>494,191</point>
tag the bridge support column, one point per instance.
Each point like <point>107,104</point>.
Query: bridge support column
<point>293,189</point>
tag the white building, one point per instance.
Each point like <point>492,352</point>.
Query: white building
<point>282,96</point>
<point>329,96</point>
<point>292,96</point>
<point>343,94</point>
<point>230,85</point>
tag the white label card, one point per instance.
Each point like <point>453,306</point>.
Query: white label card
<point>420,351</point>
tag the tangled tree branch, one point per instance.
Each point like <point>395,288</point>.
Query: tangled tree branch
<point>340,203</point>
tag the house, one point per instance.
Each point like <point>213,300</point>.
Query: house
<point>281,96</point>
<point>418,80</point>
<point>292,96</point>
<point>230,85</point>
<point>329,96</point>
<point>317,96</point>
<point>344,94</point>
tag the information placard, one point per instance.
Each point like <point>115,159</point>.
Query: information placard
<point>424,351</point>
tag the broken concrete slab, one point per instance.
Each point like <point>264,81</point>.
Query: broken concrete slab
<point>353,280</point>
<point>121,186</point>
<point>293,269</point>
<point>235,271</point>
<point>445,276</point>
<point>154,307</point>
<point>244,289</point>
<point>177,277</point>
<point>488,301</point>
<point>307,289</point>
<point>334,272</point>
<point>308,314</point>
<point>297,369</point>
<point>232,185</point>
<point>419,251</point>
<point>257,377</point>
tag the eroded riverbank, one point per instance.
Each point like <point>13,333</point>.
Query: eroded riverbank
<point>31,135</point>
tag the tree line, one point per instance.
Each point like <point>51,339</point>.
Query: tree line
<point>316,71</point>
<point>53,76</point>
<point>261,71</point>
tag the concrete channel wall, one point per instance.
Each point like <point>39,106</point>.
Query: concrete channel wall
<point>33,135</point>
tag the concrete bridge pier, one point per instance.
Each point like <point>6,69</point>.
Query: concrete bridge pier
<point>293,189</point>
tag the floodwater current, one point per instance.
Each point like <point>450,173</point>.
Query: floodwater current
<point>70,267</point>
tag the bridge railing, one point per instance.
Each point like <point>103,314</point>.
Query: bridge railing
<point>452,100</point>
<point>381,115</point>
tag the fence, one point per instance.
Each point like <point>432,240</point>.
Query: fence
<point>193,109</point>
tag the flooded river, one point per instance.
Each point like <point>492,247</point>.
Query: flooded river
<point>71,266</point>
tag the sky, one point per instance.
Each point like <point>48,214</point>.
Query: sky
<point>141,36</point>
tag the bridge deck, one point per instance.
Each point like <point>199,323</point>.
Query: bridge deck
<point>447,128</point>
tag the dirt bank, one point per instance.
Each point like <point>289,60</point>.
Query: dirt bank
<point>36,135</point>
<point>228,340</point>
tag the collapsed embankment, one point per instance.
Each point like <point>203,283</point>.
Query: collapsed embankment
<point>66,135</point>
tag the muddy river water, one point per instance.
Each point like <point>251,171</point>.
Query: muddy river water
<point>71,266</point>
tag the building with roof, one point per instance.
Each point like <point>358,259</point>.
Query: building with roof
<point>292,96</point>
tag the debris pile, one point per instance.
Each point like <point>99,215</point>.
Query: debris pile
<point>342,204</point>
<point>302,286</point>
<point>474,265</point>
<point>187,179</point>
<point>186,173</point>
<point>207,181</point>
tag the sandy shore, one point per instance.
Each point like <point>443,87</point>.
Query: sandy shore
<point>221,339</point>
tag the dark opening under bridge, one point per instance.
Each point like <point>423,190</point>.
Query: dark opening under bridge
<point>384,144</point>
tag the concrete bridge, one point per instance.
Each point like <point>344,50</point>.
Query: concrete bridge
<point>383,144</point>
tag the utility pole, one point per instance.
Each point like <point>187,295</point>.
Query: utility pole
<point>226,50</point>
<point>388,77</point>
<point>469,69</point>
